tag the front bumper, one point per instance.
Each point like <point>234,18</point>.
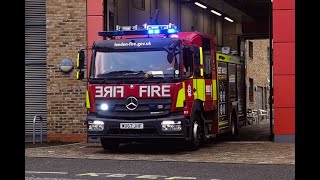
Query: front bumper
<point>151,132</point>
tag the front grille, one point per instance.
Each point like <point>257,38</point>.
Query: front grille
<point>117,108</point>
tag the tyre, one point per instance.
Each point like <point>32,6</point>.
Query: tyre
<point>234,128</point>
<point>194,143</point>
<point>195,129</point>
<point>109,145</point>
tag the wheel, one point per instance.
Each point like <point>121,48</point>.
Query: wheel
<point>194,143</point>
<point>234,128</point>
<point>196,137</point>
<point>109,145</point>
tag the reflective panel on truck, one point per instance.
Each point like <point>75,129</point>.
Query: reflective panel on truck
<point>181,96</point>
<point>214,86</point>
<point>87,100</point>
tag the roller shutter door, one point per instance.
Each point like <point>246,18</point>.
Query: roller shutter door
<point>35,67</point>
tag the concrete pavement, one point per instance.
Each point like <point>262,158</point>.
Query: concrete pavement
<point>251,147</point>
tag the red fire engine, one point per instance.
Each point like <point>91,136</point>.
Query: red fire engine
<point>153,83</point>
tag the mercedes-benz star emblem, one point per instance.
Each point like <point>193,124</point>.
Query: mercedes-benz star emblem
<point>132,103</point>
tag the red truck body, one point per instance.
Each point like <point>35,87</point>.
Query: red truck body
<point>164,87</point>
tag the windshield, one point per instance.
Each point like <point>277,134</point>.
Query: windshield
<point>143,62</point>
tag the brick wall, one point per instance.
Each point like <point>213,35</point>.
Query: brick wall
<point>66,34</point>
<point>257,69</point>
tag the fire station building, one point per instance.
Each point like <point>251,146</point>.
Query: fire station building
<point>56,30</point>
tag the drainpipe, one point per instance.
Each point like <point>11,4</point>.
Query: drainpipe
<point>271,72</point>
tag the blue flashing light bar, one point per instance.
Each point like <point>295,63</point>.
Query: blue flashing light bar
<point>156,31</point>
<point>150,31</point>
<point>122,33</point>
<point>172,31</point>
<point>146,30</point>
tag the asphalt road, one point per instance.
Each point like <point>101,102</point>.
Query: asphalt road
<point>60,169</point>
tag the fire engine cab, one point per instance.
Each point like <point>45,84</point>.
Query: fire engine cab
<point>152,83</point>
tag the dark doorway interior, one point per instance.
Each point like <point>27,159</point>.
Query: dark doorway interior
<point>111,21</point>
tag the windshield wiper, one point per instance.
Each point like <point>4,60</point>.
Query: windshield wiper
<point>153,77</point>
<point>125,72</point>
<point>133,72</point>
<point>118,73</point>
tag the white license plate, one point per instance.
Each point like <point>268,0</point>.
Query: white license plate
<point>131,125</point>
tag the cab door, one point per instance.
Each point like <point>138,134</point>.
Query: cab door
<point>199,79</point>
<point>188,70</point>
<point>208,68</point>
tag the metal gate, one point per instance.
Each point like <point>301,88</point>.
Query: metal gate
<point>35,66</point>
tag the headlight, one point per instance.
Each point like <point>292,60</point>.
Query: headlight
<point>104,107</point>
<point>171,125</point>
<point>96,125</point>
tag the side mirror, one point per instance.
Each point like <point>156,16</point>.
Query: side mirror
<point>172,50</point>
<point>80,59</point>
<point>80,75</point>
<point>170,57</point>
